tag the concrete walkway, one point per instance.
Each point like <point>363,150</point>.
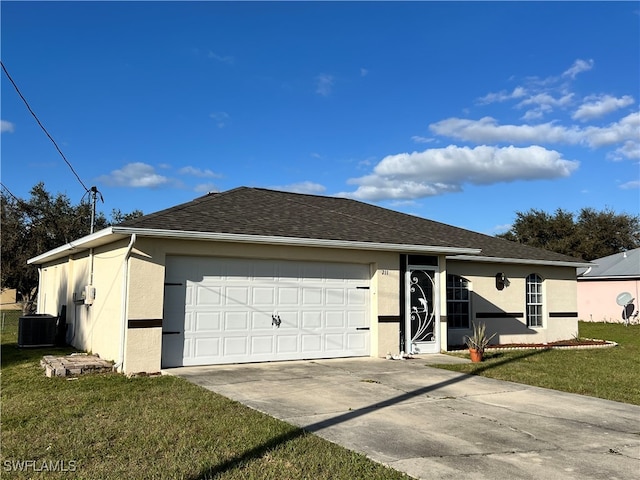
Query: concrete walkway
<point>437,424</point>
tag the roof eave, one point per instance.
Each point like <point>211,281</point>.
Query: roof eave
<point>522,261</point>
<point>111,234</point>
<point>292,241</point>
<point>592,278</point>
<point>96,239</point>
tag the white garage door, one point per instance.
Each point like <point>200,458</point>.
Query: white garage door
<point>222,310</point>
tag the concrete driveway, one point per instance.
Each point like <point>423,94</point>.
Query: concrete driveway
<point>436,424</point>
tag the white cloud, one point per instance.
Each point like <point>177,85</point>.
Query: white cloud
<point>546,100</point>
<point>301,187</point>
<point>599,105</point>
<point>502,228</point>
<point>419,139</point>
<point>198,172</point>
<point>578,66</point>
<point>630,150</point>
<point>623,131</point>
<point>443,170</point>
<point>502,96</point>
<point>220,58</point>
<point>324,84</point>
<point>541,96</point>
<point>487,130</point>
<point>6,126</point>
<point>221,118</point>
<point>206,188</point>
<point>135,175</point>
<point>633,185</point>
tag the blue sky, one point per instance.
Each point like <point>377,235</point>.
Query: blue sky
<point>463,113</point>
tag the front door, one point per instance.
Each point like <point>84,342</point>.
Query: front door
<point>422,325</point>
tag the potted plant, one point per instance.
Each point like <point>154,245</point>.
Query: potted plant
<point>478,341</point>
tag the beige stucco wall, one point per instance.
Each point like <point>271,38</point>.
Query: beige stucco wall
<point>93,328</point>
<point>597,299</point>
<point>559,296</point>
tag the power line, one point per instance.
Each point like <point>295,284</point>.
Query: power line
<point>9,192</point>
<point>42,126</point>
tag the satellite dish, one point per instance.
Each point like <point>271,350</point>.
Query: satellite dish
<point>624,299</point>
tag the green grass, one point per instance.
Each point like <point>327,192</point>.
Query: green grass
<point>610,373</point>
<point>109,426</point>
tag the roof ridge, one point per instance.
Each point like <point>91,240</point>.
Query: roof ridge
<point>345,199</point>
<point>344,214</point>
<point>182,206</point>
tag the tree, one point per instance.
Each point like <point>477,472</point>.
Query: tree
<point>588,235</point>
<point>118,217</point>
<point>37,225</point>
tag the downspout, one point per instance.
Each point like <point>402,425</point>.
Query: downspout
<point>40,305</point>
<point>125,285</point>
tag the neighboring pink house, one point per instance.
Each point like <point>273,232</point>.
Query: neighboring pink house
<point>607,281</point>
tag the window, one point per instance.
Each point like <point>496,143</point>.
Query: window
<point>458,305</point>
<point>534,300</point>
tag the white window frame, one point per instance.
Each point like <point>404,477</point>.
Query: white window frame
<point>534,301</point>
<point>466,286</point>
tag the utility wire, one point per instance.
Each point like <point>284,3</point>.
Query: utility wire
<point>9,192</point>
<point>42,127</point>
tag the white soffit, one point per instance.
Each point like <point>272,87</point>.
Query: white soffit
<point>112,234</point>
<point>524,261</point>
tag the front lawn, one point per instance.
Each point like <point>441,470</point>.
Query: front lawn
<point>110,426</point>
<point>611,373</point>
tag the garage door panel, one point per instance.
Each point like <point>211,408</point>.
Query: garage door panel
<point>356,341</point>
<point>206,295</point>
<point>286,343</point>
<point>288,295</point>
<point>334,342</point>
<point>235,346</point>
<point>311,343</point>
<point>289,272</point>
<point>311,320</point>
<point>262,345</point>
<point>335,296</point>
<point>224,310</point>
<point>236,321</point>
<point>237,295</point>
<point>356,320</point>
<point>206,347</point>
<point>261,321</point>
<point>311,296</point>
<point>263,296</point>
<point>208,322</point>
<point>335,319</point>
<point>312,272</point>
<point>265,271</point>
<point>289,321</point>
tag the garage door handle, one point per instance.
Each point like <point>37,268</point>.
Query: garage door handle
<point>275,320</point>
<point>362,328</point>
<point>171,333</point>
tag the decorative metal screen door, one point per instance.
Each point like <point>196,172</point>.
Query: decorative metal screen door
<point>422,310</point>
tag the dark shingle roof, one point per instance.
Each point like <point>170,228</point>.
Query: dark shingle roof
<point>256,211</point>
